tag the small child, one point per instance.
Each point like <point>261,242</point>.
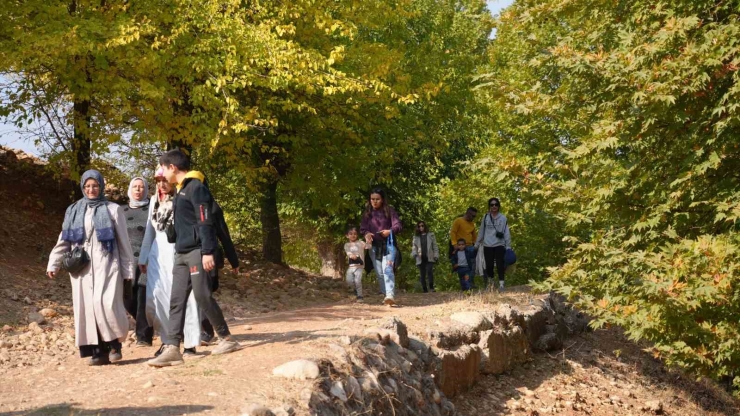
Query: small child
<point>355,250</point>
<point>462,263</point>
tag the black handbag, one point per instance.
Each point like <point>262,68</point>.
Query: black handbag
<point>75,260</point>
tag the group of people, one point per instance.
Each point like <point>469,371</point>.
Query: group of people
<point>470,253</point>
<point>157,259</point>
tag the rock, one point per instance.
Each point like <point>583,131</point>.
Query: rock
<point>35,328</point>
<point>381,335</point>
<point>148,385</point>
<point>458,370</point>
<point>398,332</point>
<point>284,410</point>
<point>475,320</point>
<point>7,328</point>
<point>48,313</point>
<point>345,340</point>
<point>337,390</point>
<point>508,316</point>
<point>36,317</point>
<point>256,410</point>
<point>655,406</point>
<point>5,344</point>
<point>437,397</point>
<point>549,342</point>
<point>453,335</point>
<point>535,320</point>
<point>503,349</point>
<point>354,389</point>
<point>4,357</point>
<point>298,369</point>
<point>27,300</point>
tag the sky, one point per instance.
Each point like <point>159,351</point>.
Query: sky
<point>9,138</point>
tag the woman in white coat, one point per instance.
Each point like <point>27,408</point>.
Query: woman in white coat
<point>99,227</point>
<point>156,259</point>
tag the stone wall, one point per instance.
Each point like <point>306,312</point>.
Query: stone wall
<point>388,372</point>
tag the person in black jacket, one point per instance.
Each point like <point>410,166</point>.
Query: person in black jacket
<point>195,247</point>
<point>224,237</point>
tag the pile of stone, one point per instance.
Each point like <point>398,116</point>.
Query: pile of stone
<point>47,339</point>
<point>388,371</point>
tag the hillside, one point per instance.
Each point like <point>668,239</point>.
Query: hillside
<point>281,314</point>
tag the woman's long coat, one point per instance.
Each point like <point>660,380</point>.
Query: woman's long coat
<point>97,290</point>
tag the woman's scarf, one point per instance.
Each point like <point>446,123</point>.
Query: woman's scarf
<point>131,201</point>
<point>73,228</point>
<point>162,213</point>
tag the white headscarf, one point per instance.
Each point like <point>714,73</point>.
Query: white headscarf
<point>131,201</point>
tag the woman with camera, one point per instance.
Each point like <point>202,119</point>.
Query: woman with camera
<point>94,248</point>
<point>495,238</point>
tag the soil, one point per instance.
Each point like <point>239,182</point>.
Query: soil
<point>280,314</point>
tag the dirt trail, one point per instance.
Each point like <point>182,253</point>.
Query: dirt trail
<point>606,384</point>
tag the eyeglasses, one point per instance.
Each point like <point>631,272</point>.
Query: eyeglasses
<point>494,205</point>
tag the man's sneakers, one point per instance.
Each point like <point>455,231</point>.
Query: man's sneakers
<point>501,285</point>
<point>388,301</point>
<point>170,356</point>
<point>226,346</point>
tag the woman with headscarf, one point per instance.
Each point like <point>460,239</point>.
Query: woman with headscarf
<point>99,227</point>
<point>137,215</point>
<point>156,260</point>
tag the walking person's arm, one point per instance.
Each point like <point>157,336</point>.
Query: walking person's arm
<point>507,236</point>
<point>222,232</point>
<point>55,257</point>
<point>482,235</point>
<point>435,247</point>
<point>454,231</point>
<point>146,244</point>
<point>202,200</point>
<point>125,254</point>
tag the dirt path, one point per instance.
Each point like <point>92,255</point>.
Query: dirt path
<point>606,384</point>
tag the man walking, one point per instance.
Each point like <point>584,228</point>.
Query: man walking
<point>195,246</point>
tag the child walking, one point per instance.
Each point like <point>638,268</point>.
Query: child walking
<point>462,263</point>
<point>355,250</point>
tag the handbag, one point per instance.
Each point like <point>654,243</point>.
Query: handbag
<point>509,257</point>
<point>75,260</point>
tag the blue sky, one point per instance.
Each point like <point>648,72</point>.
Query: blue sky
<point>9,138</point>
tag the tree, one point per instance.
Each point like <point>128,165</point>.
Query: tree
<point>622,114</point>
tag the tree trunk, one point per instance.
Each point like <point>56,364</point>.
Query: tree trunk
<point>81,141</point>
<point>332,258</point>
<point>272,241</point>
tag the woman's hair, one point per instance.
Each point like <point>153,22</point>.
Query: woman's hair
<point>352,228</point>
<point>497,201</point>
<point>417,231</point>
<point>384,206</point>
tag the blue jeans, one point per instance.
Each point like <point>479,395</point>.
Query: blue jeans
<point>461,273</point>
<point>386,276</point>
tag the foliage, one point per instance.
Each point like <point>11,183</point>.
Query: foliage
<point>624,118</point>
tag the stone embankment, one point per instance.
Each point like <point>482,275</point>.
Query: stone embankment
<point>388,371</point>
